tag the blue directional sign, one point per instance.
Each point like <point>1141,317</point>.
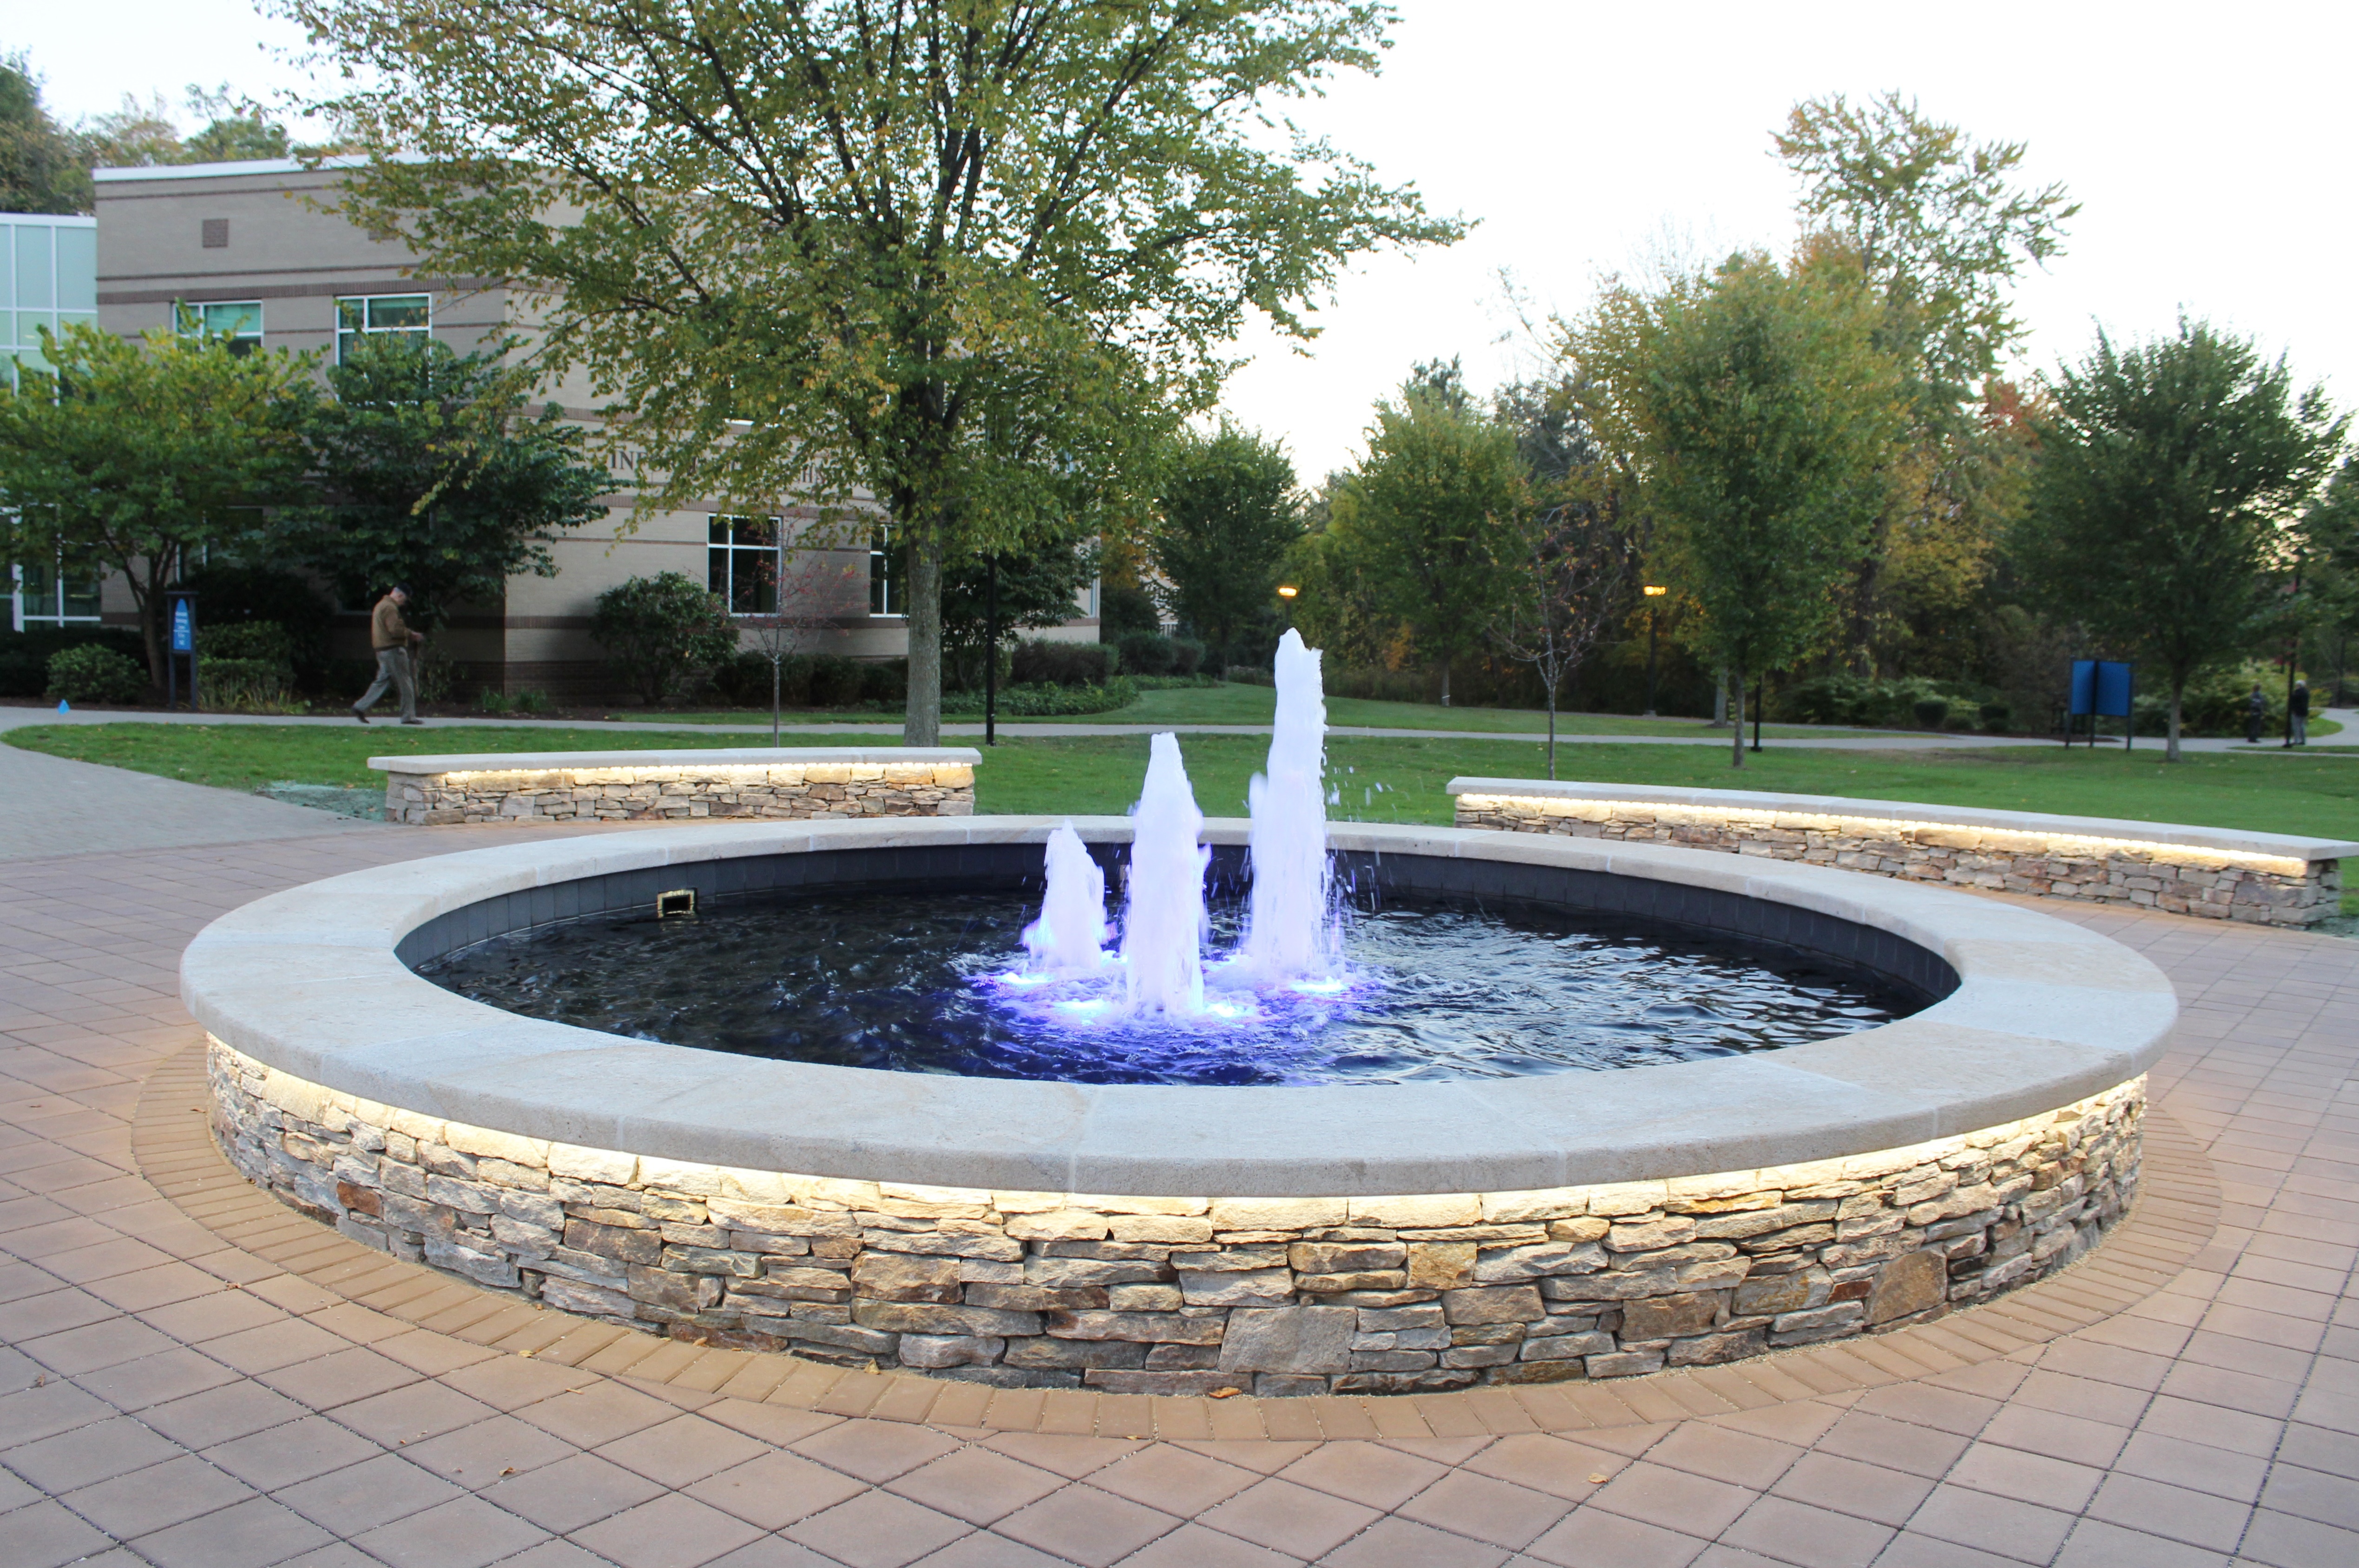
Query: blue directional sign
<point>2103,687</point>
<point>184,627</point>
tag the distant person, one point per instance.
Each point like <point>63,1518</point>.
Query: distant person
<point>393,640</point>
<point>2298,711</point>
<point>2256,713</point>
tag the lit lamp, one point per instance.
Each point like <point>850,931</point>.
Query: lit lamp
<point>1653,593</point>
<point>1287,591</point>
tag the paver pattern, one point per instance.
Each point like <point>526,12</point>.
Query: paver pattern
<point>178,1386</point>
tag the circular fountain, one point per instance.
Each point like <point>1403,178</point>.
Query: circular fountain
<point>1871,1102</point>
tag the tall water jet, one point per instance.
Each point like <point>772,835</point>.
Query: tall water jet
<point>1069,939</point>
<point>1163,923</point>
<point>1288,934</point>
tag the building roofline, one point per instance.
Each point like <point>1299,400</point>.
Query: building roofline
<point>223,170</point>
<point>70,220</point>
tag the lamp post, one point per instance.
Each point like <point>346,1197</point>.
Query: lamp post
<point>1652,592</point>
<point>1287,591</point>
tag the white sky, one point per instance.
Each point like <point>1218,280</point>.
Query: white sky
<point>2209,145</point>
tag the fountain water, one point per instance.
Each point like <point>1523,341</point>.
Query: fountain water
<point>1163,924</point>
<point>1289,931</point>
<point>1069,939</point>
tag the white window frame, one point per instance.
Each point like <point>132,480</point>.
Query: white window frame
<point>880,575</point>
<point>197,309</point>
<point>364,330</point>
<point>730,550</point>
<point>19,620</point>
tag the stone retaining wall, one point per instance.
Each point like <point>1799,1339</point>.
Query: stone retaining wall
<point>1273,1296</point>
<point>683,793</point>
<point>2178,879</point>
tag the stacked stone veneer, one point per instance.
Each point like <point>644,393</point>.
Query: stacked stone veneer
<point>2182,881</point>
<point>1193,1295</point>
<point>821,789</point>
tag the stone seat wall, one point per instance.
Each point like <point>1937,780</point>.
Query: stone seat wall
<point>1273,1296</point>
<point>877,786</point>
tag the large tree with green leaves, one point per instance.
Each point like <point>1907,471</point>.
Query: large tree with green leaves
<point>1442,501</point>
<point>1762,417</point>
<point>954,254</point>
<point>430,468</point>
<point>139,455</point>
<point>41,167</point>
<point>2171,474</point>
<point>1228,513</point>
<point>1941,227</point>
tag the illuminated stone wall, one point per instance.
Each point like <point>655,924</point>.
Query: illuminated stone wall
<point>2179,879</point>
<point>1272,1295</point>
<point>682,792</point>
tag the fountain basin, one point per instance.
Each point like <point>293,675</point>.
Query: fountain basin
<point>1184,1238</point>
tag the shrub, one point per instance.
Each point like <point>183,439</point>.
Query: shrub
<point>230,597</point>
<point>1122,611</point>
<point>492,700</point>
<point>1041,701</point>
<point>94,673</point>
<point>1931,712</point>
<point>245,685</point>
<point>887,682</point>
<point>744,680</point>
<point>660,631</point>
<point>1187,656</point>
<point>1147,653</point>
<point>1041,662</point>
<point>1995,716</point>
<point>531,702</point>
<point>25,655</point>
<point>266,640</point>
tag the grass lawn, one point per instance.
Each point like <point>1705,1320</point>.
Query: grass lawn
<point>1244,704</point>
<point>1387,781</point>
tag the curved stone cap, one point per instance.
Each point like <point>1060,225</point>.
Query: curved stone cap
<point>725,756</point>
<point>2046,1014</point>
<point>2219,841</point>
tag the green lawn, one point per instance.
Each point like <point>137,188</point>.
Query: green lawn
<point>1244,704</point>
<point>2314,795</point>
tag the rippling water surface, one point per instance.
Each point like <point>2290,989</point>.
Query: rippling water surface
<point>934,984</point>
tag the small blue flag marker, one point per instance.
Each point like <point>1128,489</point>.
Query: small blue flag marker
<point>62,708</point>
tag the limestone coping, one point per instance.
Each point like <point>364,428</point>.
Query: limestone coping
<point>1917,814</point>
<point>725,756</point>
<point>2046,1013</point>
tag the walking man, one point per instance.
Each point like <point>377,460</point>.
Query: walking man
<point>2257,711</point>
<point>2298,712</point>
<point>393,640</point>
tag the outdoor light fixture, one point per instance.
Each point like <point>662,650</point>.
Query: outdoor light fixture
<point>1289,593</point>
<point>1651,591</point>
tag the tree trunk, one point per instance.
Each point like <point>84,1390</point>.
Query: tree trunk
<point>148,601</point>
<point>1736,733</point>
<point>1718,697</point>
<point>921,722</point>
<point>2170,749</point>
<point>1445,682</point>
<point>1551,707</point>
<point>774,704</point>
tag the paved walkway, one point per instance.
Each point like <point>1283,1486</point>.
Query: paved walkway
<point>192,1376</point>
<point>1830,739</point>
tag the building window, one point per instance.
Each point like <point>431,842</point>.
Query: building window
<point>47,596</point>
<point>400,315</point>
<point>884,575</point>
<point>741,556</point>
<point>239,320</point>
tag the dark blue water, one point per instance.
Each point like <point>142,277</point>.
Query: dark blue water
<point>936,984</point>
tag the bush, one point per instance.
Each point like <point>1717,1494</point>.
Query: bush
<point>660,631</point>
<point>1147,653</point>
<point>1042,701</point>
<point>1187,656</point>
<point>94,673</point>
<point>25,655</point>
<point>744,680</point>
<point>2218,702</point>
<point>245,685</point>
<point>1931,712</point>
<point>230,597</point>
<point>1995,716</point>
<point>1868,704</point>
<point>887,682</point>
<point>264,640</point>
<point>531,702</point>
<point>1041,662</point>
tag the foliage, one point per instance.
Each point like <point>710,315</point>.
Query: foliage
<point>660,631</point>
<point>1761,415</point>
<point>41,168</point>
<point>1048,700</point>
<point>137,454</point>
<point>429,471</point>
<point>1037,586</point>
<point>140,135</point>
<point>2219,701</point>
<point>1865,702</point>
<point>1228,515</point>
<point>1153,654</point>
<point>93,673</point>
<point>264,640</point>
<point>1123,609</point>
<point>245,685</point>
<point>1441,503</point>
<point>1042,662</point>
<point>964,257</point>
<point>230,593</point>
<point>2171,471</point>
<point>25,655</point>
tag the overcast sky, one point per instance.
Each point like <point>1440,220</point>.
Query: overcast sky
<point>2210,145</point>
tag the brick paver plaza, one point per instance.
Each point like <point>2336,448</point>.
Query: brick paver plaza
<point>192,1375</point>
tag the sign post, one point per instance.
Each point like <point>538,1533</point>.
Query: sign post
<point>2103,687</point>
<point>180,642</point>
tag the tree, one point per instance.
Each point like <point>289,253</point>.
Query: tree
<point>2170,475</point>
<point>1940,229</point>
<point>429,470</point>
<point>1038,585</point>
<point>946,253</point>
<point>140,455</point>
<point>1441,499</point>
<point>41,169</point>
<point>660,631</point>
<point>1229,515</point>
<point>1762,416</point>
<point>803,588</point>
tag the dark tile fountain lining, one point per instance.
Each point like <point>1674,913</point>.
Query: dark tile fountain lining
<point>1643,901</point>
